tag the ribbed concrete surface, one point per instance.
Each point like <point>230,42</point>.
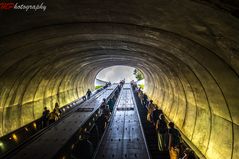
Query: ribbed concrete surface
<point>188,51</point>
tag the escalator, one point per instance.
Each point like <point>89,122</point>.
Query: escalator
<point>150,133</point>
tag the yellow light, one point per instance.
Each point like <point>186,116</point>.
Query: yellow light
<point>14,136</point>
<point>1,145</point>
<point>35,125</point>
<point>26,129</point>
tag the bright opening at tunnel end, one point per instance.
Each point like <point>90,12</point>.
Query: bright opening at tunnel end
<point>115,74</point>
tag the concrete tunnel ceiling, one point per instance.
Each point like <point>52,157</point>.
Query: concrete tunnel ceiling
<point>188,51</point>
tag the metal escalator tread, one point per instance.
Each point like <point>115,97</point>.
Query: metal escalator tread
<point>123,137</point>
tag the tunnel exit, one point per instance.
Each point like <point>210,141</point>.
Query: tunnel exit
<point>114,74</point>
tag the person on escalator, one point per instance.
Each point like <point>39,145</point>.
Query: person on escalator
<point>150,108</point>
<point>155,115</point>
<point>145,99</point>
<point>122,83</point>
<point>45,116</point>
<point>162,131</point>
<point>88,93</point>
<point>53,117</point>
<point>103,105</point>
<point>106,112</point>
<point>174,141</point>
<point>111,104</point>
<point>141,96</point>
<point>57,110</point>
<point>101,123</point>
<point>83,149</point>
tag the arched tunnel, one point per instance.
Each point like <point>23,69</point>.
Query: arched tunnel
<point>187,50</point>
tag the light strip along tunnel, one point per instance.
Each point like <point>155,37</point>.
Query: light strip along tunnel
<point>187,50</point>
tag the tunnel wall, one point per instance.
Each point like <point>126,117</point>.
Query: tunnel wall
<point>24,98</point>
<point>29,84</point>
<point>202,105</point>
<point>181,78</point>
